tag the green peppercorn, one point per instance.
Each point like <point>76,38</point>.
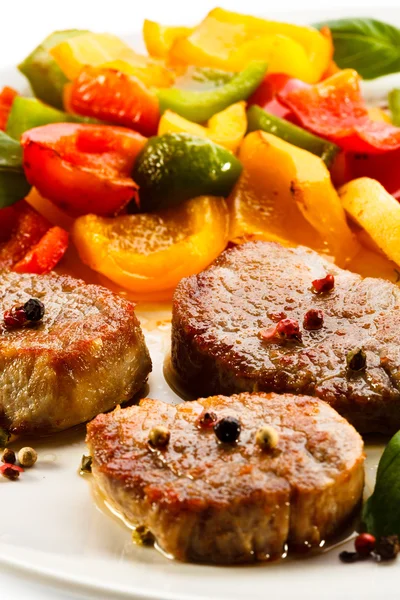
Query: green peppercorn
<point>159,436</point>
<point>267,437</point>
<point>27,457</point>
<point>356,359</point>
<point>86,464</point>
<point>8,456</point>
<point>142,536</point>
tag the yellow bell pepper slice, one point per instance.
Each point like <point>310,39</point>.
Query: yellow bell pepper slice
<point>159,39</point>
<point>226,128</point>
<point>147,253</point>
<point>279,197</point>
<point>103,49</point>
<point>375,210</point>
<point>229,40</point>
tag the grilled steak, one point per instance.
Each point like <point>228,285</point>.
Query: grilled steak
<point>218,345</point>
<point>228,503</point>
<point>87,355</point>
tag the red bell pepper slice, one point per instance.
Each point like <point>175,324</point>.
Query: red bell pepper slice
<point>28,242</point>
<point>83,168</point>
<point>266,95</point>
<point>114,97</point>
<point>7,96</point>
<point>46,254</point>
<point>335,109</point>
<point>21,228</point>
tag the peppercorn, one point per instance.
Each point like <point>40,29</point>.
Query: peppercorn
<point>267,437</point>
<point>228,430</point>
<point>10,472</point>
<point>27,457</point>
<point>356,359</point>
<point>142,536</point>
<point>4,437</point>
<point>324,285</point>
<point>15,317</point>
<point>159,436</point>
<point>364,544</point>
<point>34,310</point>
<point>348,557</point>
<point>8,456</point>
<point>288,329</point>
<point>86,464</point>
<point>313,319</point>
<point>207,419</point>
<point>388,547</point>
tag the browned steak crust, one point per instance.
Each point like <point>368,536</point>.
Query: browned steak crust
<point>86,356</point>
<point>218,315</point>
<point>213,502</point>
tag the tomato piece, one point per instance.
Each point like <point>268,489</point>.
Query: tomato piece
<point>7,96</point>
<point>21,228</point>
<point>83,168</point>
<point>115,97</point>
<point>45,255</point>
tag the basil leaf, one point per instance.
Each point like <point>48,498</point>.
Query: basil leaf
<point>381,513</point>
<point>13,183</point>
<point>369,46</point>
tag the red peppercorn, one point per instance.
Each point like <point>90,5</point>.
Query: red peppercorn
<point>313,319</point>
<point>288,329</point>
<point>324,285</point>
<point>207,419</point>
<point>15,317</point>
<point>365,544</point>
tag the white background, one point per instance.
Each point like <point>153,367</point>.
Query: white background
<point>24,23</point>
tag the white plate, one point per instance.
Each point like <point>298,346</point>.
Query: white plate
<point>52,529</point>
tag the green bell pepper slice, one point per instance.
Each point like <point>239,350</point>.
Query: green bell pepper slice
<point>45,76</point>
<point>394,106</point>
<point>13,183</point>
<point>175,167</point>
<point>259,119</point>
<point>27,113</point>
<point>199,106</point>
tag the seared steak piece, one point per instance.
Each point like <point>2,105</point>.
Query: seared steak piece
<point>228,503</point>
<point>86,356</point>
<point>218,347</point>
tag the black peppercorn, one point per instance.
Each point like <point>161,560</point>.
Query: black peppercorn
<point>34,310</point>
<point>356,359</point>
<point>348,557</point>
<point>227,430</point>
<point>388,547</point>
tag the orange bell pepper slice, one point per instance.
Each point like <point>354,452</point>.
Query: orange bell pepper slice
<point>148,253</point>
<point>114,97</point>
<point>82,168</point>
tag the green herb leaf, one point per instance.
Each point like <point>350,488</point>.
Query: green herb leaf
<point>369,46</point>
<point>381,514</point>
<point>13,183</point>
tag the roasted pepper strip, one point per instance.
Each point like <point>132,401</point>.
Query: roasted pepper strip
<point>258,119</point>
<point>114,97</point>
<point>22,227</point>
<point>229,40</point>
<point>7,97</point>
<point>83,168</point>
<point>13,183</point>
<point>46,254</point>
<point>201,106</point>
<point>335,109</point>
<point>28,113</point>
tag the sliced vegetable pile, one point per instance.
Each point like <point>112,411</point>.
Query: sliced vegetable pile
<point>235,129</point>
